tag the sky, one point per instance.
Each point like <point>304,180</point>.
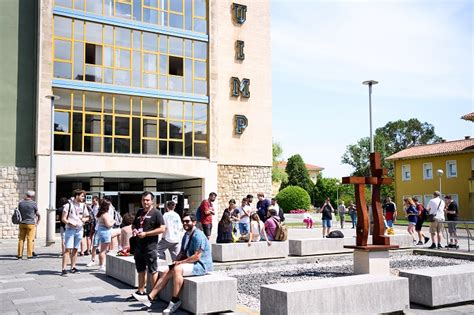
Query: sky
<point>421,52</point>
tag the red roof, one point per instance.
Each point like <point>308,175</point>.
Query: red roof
<point>469,116</point>
<point>309,167</point>
<point>443,148</point>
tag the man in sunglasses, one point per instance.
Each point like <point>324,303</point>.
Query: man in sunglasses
<point>194,259</point>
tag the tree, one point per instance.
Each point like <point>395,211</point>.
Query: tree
<point>293,197</point>
<point>278,174</point>
<point>297,174</point>
<point>389,139</point>
<point>328,187</point>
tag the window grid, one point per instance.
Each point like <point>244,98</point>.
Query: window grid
<point>406,172</point>
<point>451,169</point>
<point>427,171</point>
<point>114,66</point>
<point>115,113</point>
<point>163,9</point>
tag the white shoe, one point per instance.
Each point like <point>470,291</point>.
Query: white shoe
<point>91,263</point>
<point>102,269</point>
<point>142,299</point>
<point>172,307</point>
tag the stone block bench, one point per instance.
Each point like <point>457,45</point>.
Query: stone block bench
<point>316,246</point>
<point>436,286</point>
<point>241,251</point>
<point>360,294</point>
<point>402,240</point>
<point>205,294</point>
<point>123,268</point>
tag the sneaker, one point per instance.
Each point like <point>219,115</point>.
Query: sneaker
<point>91,263</point>
<point>19,258</point>
<point>144,299</point>
<point>102,269</point>
<point>74,270</point>
<point>86,253</point>
<point>132,297</point>
<point>172,307</point>
<point>35,254</point>
<point>426,239</point>
<point>439,246</point>
<point>433,246</point>
<point>64,273</point>
<point>419,243</point>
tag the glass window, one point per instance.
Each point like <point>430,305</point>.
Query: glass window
<point>122,104</point>
<point>136,123</point>
<point>62,27</point>
<point>61,122</point>
<point>77,132</point>
<point>122,126</point>
<point>62,142</point>
<point>188,111</point>
<point>188,14</point>
<point>62,49</point>
<point>200,112</point>
<point>149,62</point>
<point>78,61</point>
<point>137,40</point>
<point>122,37</point>
<point>176,5</point>
<point>92,144</point>
<point>136,106</point>
<point>200,149</point>
<point>150,128</point>
<point>92,124</point>
<point>176,20</point>
<point>108,35</point>
<point>108,144</point>
<point>150,16</point>
<point>150,107</point>
<point>406,172</point>
<point>427,171</point>
<point>122,77</point>
<point>93,32</point>
<point>150,41</point>
<point>175,110</point>
<point>200,87</point>
<point>200,132</point>
<point>175,66</point>
<point>62,70</point>
<point>176,130</point>
<point>150,81</point>
<point>176,46</point>
<point>108,76</point>
<point>93,102</point>
<point>79,4</point>
<point>176,148</point>
<point>150,147</point>
<point>64,3</point>
<point>108,126</point>
<point>94,6</point>
<point>188,139</point>
<point>200,69</point>
<point>200,8</point>
<point>121,145</point>
<point>78,30</point>
<point>93,74</point>
<point>200,50</point>
<point>163,44</point>
<point>93,54</point>
<point>451,169</point>
<point>108,7</point>
<point>123,10</point>
<point>163,132</point>
<point>200,26</point>
<point>64,101</point>
<point>78,101</point>
<point>122,58</point>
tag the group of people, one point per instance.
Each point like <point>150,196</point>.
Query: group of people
<point>248,223</point>
<point>434,212</point>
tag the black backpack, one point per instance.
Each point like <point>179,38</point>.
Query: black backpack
<point>335,234</point>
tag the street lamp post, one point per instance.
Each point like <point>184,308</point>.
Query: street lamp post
<point>370,83</point>
<point>440,174</point>
<point>51,211</point>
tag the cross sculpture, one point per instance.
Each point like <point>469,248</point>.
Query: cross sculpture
<point>379,240</point>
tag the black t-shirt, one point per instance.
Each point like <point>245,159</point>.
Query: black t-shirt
<point>453,206</point>
<point>390,207</point>
<point>327,212</point>
<point>148,221</point>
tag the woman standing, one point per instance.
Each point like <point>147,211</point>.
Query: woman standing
<point>257,230</point>
<point>104,231</point>
<point>412,215</point>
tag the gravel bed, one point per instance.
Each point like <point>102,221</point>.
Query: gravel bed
<point>249,280</point>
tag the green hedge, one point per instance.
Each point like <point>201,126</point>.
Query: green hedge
<point>292,198</point>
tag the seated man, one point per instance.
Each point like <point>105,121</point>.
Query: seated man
<point>194,259</point>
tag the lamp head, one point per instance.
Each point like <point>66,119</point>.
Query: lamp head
<point>440,172</point>
<point>53,97</point>
<point>370,82</point>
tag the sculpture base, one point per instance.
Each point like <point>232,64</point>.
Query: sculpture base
<point>371,262</point>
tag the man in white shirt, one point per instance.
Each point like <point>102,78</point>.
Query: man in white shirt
<point>244,215</point>
<point>436,209</point>
<point>173,233</point>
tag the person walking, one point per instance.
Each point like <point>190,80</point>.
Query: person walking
<point>207,211</point>
<point>326,210</point>
<point>452,216</point>
<point>412,215</point>
<point>105,222</point>
<point>390,212</point>
<point>353,214</point>
<point>436,210</point>
<point>74,215</point>
<point>422,239</point>
<point>30,218</point>
<point>342,213</point>
<point>172,235</point>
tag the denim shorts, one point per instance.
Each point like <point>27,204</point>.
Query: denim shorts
<point>104,235</point>
<point>327,223</point>
<point>72,238</point>
<point>243,228</point>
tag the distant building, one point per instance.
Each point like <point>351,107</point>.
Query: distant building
<point>416,173</point>
<point>313,170</point>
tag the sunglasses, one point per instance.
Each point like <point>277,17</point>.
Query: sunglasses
<point>187,221</point>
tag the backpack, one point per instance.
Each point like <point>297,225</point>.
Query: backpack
<point>117,219</point>
<point>335,234</point>
<point>281,233</point>
<point>16,216</point>
<point>198,214</point>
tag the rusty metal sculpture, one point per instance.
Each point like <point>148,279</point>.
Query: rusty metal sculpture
<point>379,240</point>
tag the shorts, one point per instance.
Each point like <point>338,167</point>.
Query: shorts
<point>146,260</point>
<point>103,235</point>
<point>187,269</point>
<point>436,227</point>
<point>452,228</point>
<point>419,224</point>
<point>95,240</point>
<point>389,223</point>
<point>207,228</point>
<point>72,238</point>
<point>411,223</point>
<point>244,228</point>
<point>87,230</point>
<point>327,223</point>
<point>173,248</point>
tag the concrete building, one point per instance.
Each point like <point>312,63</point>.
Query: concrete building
<point>416,173</point>
<point>172,96</point>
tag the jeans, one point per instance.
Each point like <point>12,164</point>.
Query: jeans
<point>354,219</point>
<point>243,228</point>
<point>27,231</point>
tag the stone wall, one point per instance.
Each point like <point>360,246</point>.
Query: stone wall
<point>14,183</point>
<point>235,181</point>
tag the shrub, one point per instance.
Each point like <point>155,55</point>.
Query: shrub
<point>293,197</point>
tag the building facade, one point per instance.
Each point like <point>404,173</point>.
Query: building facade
<point>446,166</point>
<point>172,96</point>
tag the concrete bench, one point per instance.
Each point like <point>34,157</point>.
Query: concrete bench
<point>402,240</point>
<point>123,268</point>
<point>436,286</point>
<point>241,251</point>
<point>316,246</point>
<point>210,293</point>
<point>361,294</point>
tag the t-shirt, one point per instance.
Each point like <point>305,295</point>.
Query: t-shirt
<point>262,208</point>
<point>206,205</point>
<point>173,227</point>
<point>198,241</point>
<point>148,222</point>
<point>390,207</point>
<point>244,218</point>
<point>271,227</point>
<point>326,211</point>
<point>436,207</point>
<point>75,212</point>
<point>411,210</point>
<point>453,206</point>
<point>28,210</point>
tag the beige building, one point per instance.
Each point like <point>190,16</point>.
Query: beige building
<point>166,96</point>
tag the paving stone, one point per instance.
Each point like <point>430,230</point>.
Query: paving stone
<point>11,290</point>
<point>38,299</point>
<point>15,280</point>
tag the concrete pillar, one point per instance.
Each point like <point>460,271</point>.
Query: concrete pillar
<point>96,184</point>
<point>149,184</point>
<point>371,262</point>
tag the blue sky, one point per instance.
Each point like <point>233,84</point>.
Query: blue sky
<point>421,52</point>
